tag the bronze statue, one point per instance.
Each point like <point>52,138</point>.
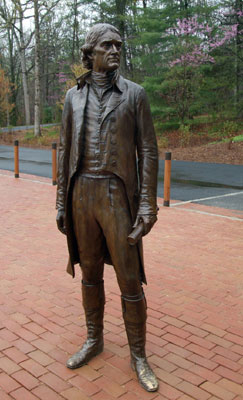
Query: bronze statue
<point>107,182</point>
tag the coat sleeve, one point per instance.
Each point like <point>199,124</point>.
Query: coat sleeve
<point>64,154</point>
<point>147,153</point>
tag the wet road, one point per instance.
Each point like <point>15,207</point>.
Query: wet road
<point>219,185</point>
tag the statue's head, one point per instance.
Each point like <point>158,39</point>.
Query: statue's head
<point>102,48</point>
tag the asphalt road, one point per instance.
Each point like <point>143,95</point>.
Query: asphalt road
<point>219,185</point>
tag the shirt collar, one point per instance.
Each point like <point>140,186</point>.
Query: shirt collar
<point>86,78</point>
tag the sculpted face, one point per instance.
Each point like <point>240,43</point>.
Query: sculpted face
<point>106,54</point>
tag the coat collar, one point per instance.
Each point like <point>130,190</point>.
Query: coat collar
<point>83,79</point>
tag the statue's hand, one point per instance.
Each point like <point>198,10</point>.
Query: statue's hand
<point>61,221</point>
<point>148,222</point>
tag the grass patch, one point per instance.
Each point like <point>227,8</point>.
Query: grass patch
<point>238,138</point>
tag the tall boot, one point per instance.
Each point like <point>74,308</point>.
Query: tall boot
<point>134,314</point>
<point>93,303</point>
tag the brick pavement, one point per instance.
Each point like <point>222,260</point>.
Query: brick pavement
<point>194,263</point>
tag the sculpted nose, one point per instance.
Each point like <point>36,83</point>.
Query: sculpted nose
<point>114,49</point>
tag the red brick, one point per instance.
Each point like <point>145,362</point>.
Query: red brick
<point>217,322</point>
<point>74,394</point>
<point>169,392</point>
<point>205,373</point>
<point>33,367</point>
<point>22,393</point>
<point>201,351</point>
<point>58,355</point>
<point>179,361</point>
<point>167,377</point>
<point>134,387</point>
<point>193,391</point>
<point>173,321</point>
<point>27,335</point>
<point>195,331</point>
<point>172,348</point>
<point>110,386</point>
<point>7,383</point>
<point>155,322</point>
<point>7,335</point>
<point>217,391</point>
<point>20,318</point>
<point>43,392</point>
<point>236,330</point>
<point>16,355</point>
<point>189,376</point>
<point>191,321</point>
<point>213,329</point>
<point>9,366</point>
<point>61,370</point>
<point>88,388</point>
<point>229,374</point>
<point>4,344</point>
<point>234,338</point>
<point>4,396</point>
<point>55,383</point>
<point>27,380</point>
<point>219,341</point>
<point>35,328</point>
<point>175,340</point>
<point>237,349</point>
<point>177,331</point>
<point>120,363</point>
<point>154,330</point>
<point>202,361</point>
<point>114,374</point>
<point>156,340</point>
<point>87,372</point>
<point>102,396</point>
<point>153,348</point>
<point>43,345</point>
<point>232,387</point>
<point>226,363</point>
<point>130,396</point>
<point>39,319</point>
<point>162,363</point>
<point>226,353</point>
<point>23,346</point>
<point>201,342</point>
<point>41,358</point>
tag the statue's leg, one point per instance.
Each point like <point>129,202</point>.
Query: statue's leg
<point>91,246</point>
<point>116,223</point>
<point>93,303</point>
<point>134,314</point>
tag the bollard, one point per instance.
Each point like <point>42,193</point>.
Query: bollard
<point>16,159</point>
<point>54,163</point>
<point>167,174</point>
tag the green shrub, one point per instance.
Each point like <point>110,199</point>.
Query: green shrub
<point>185,135</point>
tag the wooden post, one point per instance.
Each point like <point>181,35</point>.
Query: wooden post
<point>16,159</point>
<point>167,175</point>
<point>54,163</point>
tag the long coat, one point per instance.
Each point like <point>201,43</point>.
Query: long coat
<point>130,152</point>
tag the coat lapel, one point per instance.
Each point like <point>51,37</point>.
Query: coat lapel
<point>115,100</point>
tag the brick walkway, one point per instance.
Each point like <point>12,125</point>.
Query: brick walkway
<point>194,261</point>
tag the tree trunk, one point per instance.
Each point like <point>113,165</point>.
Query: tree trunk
<point>37,129</point>
<point>120,13</point>
<point>21,50</point>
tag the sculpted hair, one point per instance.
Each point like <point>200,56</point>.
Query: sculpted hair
<point>91,40</point>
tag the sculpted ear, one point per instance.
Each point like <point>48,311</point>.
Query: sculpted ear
<point>90,55</point>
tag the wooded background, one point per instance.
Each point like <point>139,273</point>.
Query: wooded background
<point>188,54</point>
